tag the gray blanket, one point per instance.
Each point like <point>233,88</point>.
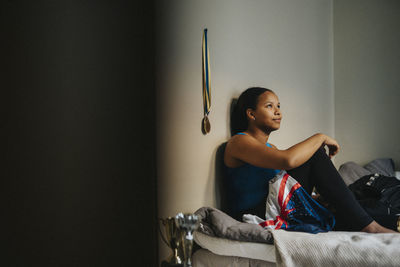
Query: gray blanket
<point>214,222</point>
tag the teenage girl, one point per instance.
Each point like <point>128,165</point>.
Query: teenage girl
<point>251,161</point>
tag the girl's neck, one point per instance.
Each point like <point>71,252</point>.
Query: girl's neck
<point>258,134</point>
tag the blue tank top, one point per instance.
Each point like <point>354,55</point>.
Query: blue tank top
<point>247,186</point>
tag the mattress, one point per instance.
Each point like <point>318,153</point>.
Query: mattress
<point>205,258</point>
<point>226,247</point>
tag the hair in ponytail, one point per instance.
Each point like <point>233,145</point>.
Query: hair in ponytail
<point>248,99</point>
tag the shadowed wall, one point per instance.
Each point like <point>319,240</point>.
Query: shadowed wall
<point>367,80</point>
<point>79,172</point>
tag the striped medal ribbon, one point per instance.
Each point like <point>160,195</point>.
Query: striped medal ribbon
<point>206,126</point>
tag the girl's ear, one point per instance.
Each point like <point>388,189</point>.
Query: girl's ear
<point>250,114</point>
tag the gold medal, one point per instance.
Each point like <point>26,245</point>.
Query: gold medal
<point>205,123</point>
<point>206,126</point>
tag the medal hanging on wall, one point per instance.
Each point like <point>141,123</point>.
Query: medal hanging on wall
<point>205,124</point>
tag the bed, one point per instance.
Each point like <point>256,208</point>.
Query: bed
<point>223,241</point>
<point>227,242</point>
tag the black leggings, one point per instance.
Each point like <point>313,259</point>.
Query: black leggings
<point>319,171</point>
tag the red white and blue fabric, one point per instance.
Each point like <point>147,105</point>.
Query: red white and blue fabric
<point>290,207</point>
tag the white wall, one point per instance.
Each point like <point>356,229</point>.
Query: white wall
<point>367,79</point>
<point>283,45</point>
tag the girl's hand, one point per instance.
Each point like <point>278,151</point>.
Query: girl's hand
<point>332,145</point>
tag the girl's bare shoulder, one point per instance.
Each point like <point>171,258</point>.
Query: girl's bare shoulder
<point>240,140</point>
<point>233,146</point>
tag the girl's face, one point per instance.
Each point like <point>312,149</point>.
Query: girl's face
<point>267,115</point>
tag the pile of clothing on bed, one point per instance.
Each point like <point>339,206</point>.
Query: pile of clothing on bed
<point>376,188</point>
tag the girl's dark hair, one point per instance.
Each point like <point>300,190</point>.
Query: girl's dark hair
<point>248,99</point>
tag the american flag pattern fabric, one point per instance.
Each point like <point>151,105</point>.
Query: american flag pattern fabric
<point>290,207</point>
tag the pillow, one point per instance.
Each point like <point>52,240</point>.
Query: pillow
<point>351,172</point>
<point>381,166</point>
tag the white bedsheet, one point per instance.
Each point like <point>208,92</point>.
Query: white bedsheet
<point>336,249</point>
<point>226,247</point>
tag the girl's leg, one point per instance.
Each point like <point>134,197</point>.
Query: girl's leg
<point>319,171</point>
